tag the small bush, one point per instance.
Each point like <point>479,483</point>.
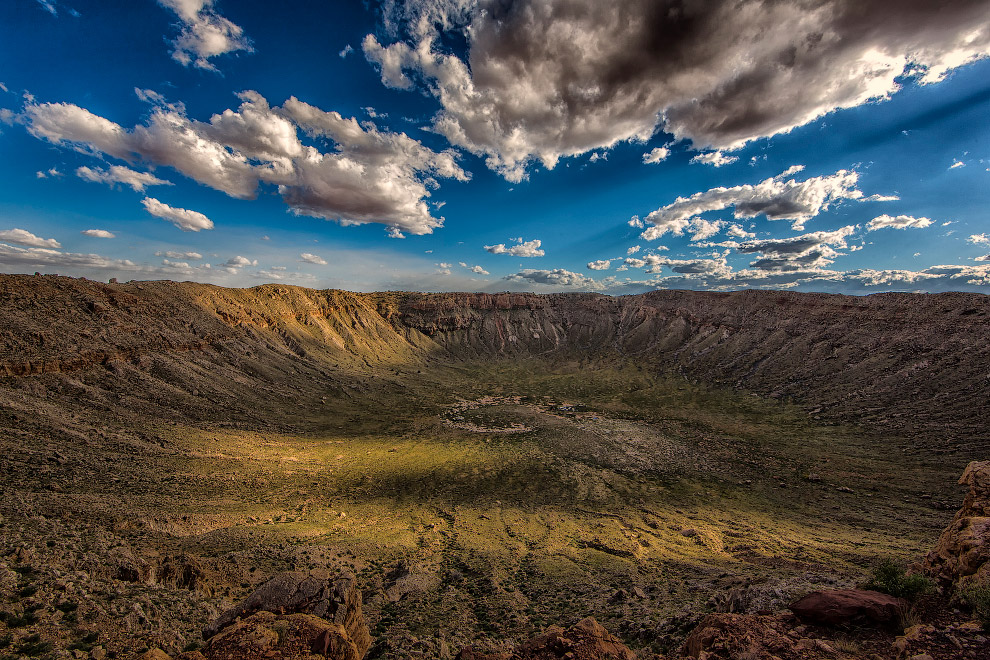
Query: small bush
<point>977,596</point>
<point>890,577</point>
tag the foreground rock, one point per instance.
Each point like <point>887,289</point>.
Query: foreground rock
<point>585,640</point>
<point>334,601</point>
<point>283,637</point>
<point>849,606</point>
<point>963,549</point>
<point>732,636</point>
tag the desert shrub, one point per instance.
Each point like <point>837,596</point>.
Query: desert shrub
<point>977,596</point>
<point>890,577</point>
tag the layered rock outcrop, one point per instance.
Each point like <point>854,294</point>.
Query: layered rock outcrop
<point>320,616</point>
<point>963,550</point>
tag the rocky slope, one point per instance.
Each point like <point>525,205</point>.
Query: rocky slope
<point>914,363</point>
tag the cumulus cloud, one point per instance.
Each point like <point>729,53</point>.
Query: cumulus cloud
<point>312,259</point>
<point>240,262</point>
<point>815,250</point>
<point>655,263</point>
<point>123,175</point>
<point>204,34</point>
<point>634,249</point>
<point>777,198</point>
<point>367,175</point>
<point>601,264</point>
<point>24,237</point>
<point>545,79</point>
<point>656,155</point>
<point>474,269</point>
<point>556,277</point>
<point>172,254</point>
<point>736,231</point>
<point>714,158</point>
<point>956,164</point>
<point>897,222</point>
<point>984,257</point>
<point>98,233</point>
<point>522,249</point>
<point>976,239</point>
<point>184,219</point>
<point>52,172</point>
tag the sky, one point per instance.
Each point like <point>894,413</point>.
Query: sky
<point>840,146</point>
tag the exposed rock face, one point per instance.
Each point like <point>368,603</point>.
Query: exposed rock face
<point>963,549</point>
<point>585,640</point>
<point>736,636</point>
<point>283,637</point>
<point>849,606</point>
<point>335,601</point>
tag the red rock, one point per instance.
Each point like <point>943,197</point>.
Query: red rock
<point>585,640</point>
<point>841,606</point>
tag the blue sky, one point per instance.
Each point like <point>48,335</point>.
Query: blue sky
<point>552,145</point>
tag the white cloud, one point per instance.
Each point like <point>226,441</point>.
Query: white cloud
<point>184,219</point>
<point>474,269</point>
<point>976,239</point>
<point>24,237</point>
<point>714,158</point>
<point>985,257</point>
<point>881,198</point>
<point>556,277</point>
<point>898,222</point>
<point>368,176</point>
<point>120,174</point>
<point>171,254</point>
<point>312,259</point>
<point>634,249</point>
<point>636,222</point>
<point>656,155</point>
<point>240,262</point>
<point>545,79</point>
<point>956,164</point>
<point>775,198</point>
<point>50,6</point>
<point>736,231</point>
<point>602,264</point>
<point>7,116</point>
<point>204,34</point>
<point>345,51</point>
<point>813,251</point>
<point>702,229</point>
<point>98,233</point>
<point>53,172</point>
<point>523,249</point>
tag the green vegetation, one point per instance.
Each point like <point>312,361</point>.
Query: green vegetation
<point>520,493</point>
<point>890,577</point>
<point>977,596</point>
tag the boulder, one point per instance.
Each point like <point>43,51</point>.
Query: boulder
<point>849,606</point>
<point>585,640</point>
<point>283,637</point>
<point>732,636</point>
<point>335,600</point>
<point>154,654</point>
<point>963,549</point>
